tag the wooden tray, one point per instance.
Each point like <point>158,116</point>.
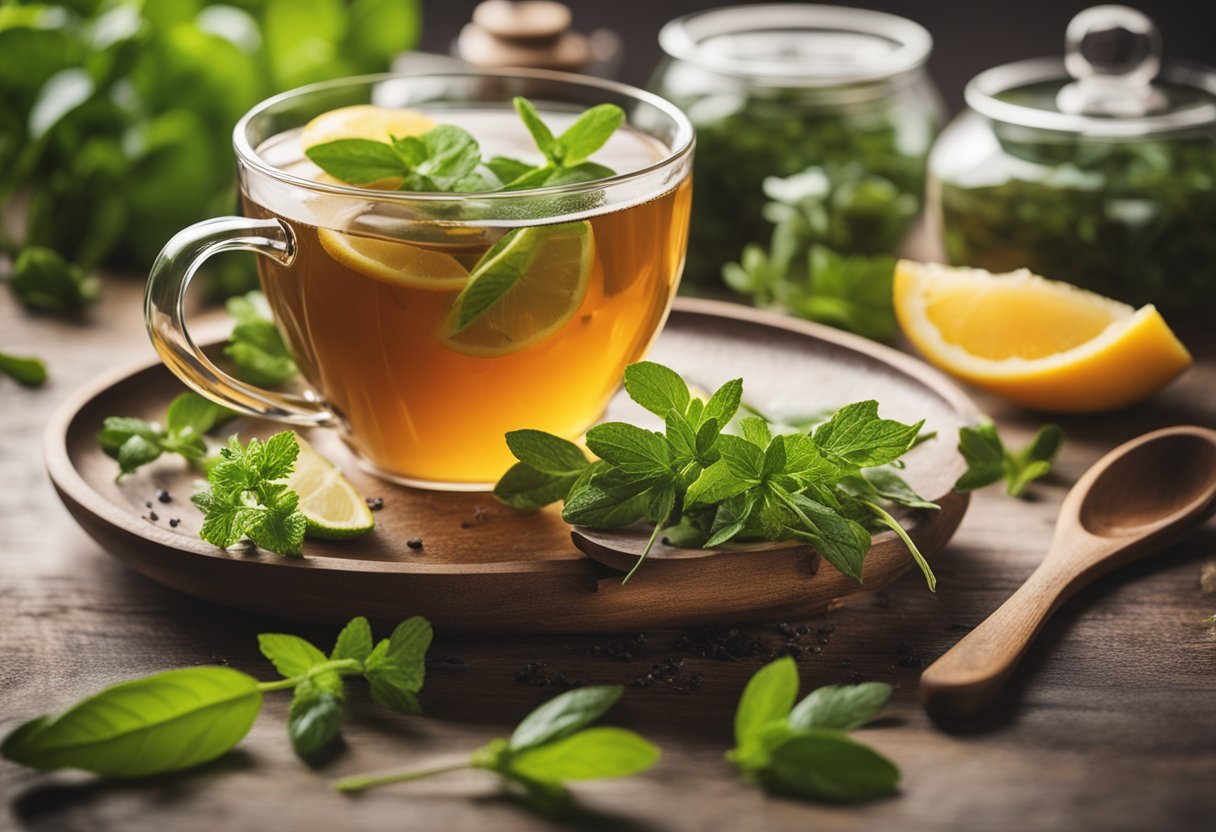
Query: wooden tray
<point>486,568</point>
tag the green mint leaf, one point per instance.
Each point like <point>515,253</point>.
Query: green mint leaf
<point>756,430</point>
<point>631,449</point>
<point>840,707</point>
<point>856,436</point>
<point>396,668</point>
<point>26,371</point>
<point>508,170</point>
<point>1033,461</point>
<point>681,439</point>
<point>315,716</point>
<point>191,416</point>
<point>290,655</point>
<point>774,458</point>
<point>533,178</point>
<point>563,715</point>
<point>354,641</point>
<point>744,459</point>
<point>279,455</point>
<point>716,484</point>
<point>1024,475</point>
<point>804,463</point>
<point>451,155</point>
<point>526,489</point>
<point>890,486</point>
<point>826,765</point>
<point>732,517</point>
<point>724,403</point>
<point>707,434</point>
<point>44,281</point>
<point>138,450</point>
<point>591,754</point>
<point>613,507</point>
<point>586,172</point>
<point>166,722</point>
<point>843,543</point>
<point>981,447</point>
<point>497,272</point>
<point>767,698</point>
<point>279,529</point>
<point>588,134</point>
<point>850,292</point>
<point>358,161</point>
<point>257,349</point>
<point>657,388</point>
<point>540,132</point>
<point>546,452</point>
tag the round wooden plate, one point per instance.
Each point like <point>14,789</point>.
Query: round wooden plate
<point>486,568</point>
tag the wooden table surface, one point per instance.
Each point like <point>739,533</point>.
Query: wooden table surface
<point>1110,722</point>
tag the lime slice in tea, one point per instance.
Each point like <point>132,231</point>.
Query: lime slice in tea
<point>331,505</point>
<point>522,291</point>
<point>395,262</point>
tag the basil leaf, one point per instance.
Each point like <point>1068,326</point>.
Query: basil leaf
<point>562,715</point>
<point>768,697</point>
<point>856,436</point>
<point>656,388</point>
<point>354,641</point>
<point>840,707</point>
<point>26,371</point>
<point>588,134</point>
<point>358,161</point>
<point>546,452</point>
<point>827,765</point>
<point>587,755</point>
<point>290,655</point>
<point>166,722</point>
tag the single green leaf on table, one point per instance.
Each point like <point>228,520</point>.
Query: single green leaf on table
<point>396,667</point>
<point>354,641</point>
<point>26,371</point>
<point>257,349</point>
<point>988,461</point>
<point>166,722</point>
<point>802,749</point>
<point>45,281</point>
<point>550,747</point>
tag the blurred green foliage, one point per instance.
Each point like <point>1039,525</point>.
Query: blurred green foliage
<point>116,115</point>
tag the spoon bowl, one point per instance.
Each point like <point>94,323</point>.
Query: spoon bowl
<point>1140,496</point>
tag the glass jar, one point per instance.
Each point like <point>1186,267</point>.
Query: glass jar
<point>1101,173</point>
<point>836,98</point>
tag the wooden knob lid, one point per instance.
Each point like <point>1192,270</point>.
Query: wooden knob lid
<point>523,19</point>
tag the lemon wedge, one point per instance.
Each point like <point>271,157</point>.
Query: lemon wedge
<point>331,505</point>
<point>364,121</point>
<point>395,262</point>
<point>547,269</point>
<point>1037,342</point>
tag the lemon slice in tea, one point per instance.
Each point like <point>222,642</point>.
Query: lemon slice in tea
<point>331,505</point>
<point>364,121</point>
<point>395,262</point>
<point>525,288</point>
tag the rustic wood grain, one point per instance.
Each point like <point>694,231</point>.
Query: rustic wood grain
<point>1109,723</point>
<point>482,567</point>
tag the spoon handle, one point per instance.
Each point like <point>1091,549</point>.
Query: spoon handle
<point>971,673</point>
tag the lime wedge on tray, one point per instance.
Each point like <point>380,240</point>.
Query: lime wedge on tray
<point>331,505</point>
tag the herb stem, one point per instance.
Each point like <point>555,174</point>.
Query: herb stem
<point>887,520</point>
<point>362,782</point>
<point>344,667</point>
<point>654,535</point>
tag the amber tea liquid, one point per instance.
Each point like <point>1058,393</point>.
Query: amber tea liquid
<point>415,406</point>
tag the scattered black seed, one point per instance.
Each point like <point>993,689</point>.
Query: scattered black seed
<point>803,630</point>
<point>537,675</point>
<point>414,543</point>
<point>669,673</point>
<point>623,649</point>
<point>790,649</point>
<point>787,631</point>
<point>174,522</point>
<point>147,504</point>
<point>717,642</point>
<point>164,496</point>
<point>152,516</point>
<point>375,503</point>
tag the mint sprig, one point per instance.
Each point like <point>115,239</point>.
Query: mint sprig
<point>248,500</point>
<point>804,749</point>
<point>136,442</point>
<point>702,486</point>
<point>989,461</point>
<point>182,718</point>
<point>549,748</point>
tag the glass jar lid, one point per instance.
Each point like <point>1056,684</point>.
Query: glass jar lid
<point>798,45</point>
<point>1110,82</point>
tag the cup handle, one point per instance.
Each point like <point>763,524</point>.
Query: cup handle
<point>175,266</point>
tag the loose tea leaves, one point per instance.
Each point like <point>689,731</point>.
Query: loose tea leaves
<point>702,487</point>
<point>803,749</point>
<point>182,718</point>
<point>988,460</point>
<point>549,748</point>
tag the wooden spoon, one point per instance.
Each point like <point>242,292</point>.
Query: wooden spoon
<point>1138,497</point>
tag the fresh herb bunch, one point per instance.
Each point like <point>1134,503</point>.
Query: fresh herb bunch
<point>447,158</point>
<point>44,281</point>
<point>136,442</point>
<point>182,718</point>
<point>116,118</point>
<point>550,747</point>
<point>817,214</point>
<point>989,461</point>
<point>701,486</point>
<point>744,139</point>
<point>23,369</point>
<point>248,498</point>
<point>256,347</point>
<point>1130,220</point>
<point>804,749</point>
